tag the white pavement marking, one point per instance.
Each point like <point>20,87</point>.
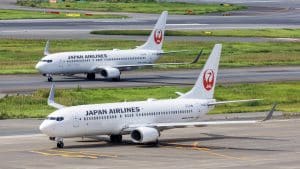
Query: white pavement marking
<point>21,136</point>
<point>192,24</point>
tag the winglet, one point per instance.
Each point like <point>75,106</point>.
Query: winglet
<point>46,50</point>
<point>51,101</point>
<point>270,114</point>
<point>198,57</point>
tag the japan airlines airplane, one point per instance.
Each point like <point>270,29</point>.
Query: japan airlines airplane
<point>143,120</point>
<point>109,63</point>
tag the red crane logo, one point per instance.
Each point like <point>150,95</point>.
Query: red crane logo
<point>208,79</point>
<point>158,36</point>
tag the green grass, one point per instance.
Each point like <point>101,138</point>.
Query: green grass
<point>35,105</point>
<point>271,33</point>
<point>20,56</point>
<point>22,14</point>
<point>140,7</point>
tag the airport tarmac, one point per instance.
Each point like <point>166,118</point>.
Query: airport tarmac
<point>272,144</point>
<point>260,14</point>
<point>151,77</point>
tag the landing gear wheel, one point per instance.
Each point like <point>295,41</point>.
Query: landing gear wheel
<point>91,76</point>
<point>50,79</point>
<point>154,144</point>
<point>116,138</point>
<point>60,144</point>
<point>116,79</point>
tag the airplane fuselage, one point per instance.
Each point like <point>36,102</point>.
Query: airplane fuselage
<point>88,61</point>
<point>111,118</point>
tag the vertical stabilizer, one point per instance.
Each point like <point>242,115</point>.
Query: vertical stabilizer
<point>205,84</point>
<point>156,38</point>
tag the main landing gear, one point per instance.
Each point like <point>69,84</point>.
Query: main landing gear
<point>116,79</point>
<point>91,76</point>
<point>116,138</point>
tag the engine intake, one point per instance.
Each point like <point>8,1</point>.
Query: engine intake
<point>111,72</point>
<point>144,135</point>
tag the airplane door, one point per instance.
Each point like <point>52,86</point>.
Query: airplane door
<point>60,64</point>
<point>76,120</point>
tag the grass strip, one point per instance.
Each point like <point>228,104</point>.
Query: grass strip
<point>35,105</point>
<point>20,56</point>
<point>137,7</point>
<point>269,33</point>
<point>22,14</point>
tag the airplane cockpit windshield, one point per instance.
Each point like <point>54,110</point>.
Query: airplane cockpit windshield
<point>55,118</point>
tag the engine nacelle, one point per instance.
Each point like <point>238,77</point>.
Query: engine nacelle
<point>144,135</point>
<point>111,72</point>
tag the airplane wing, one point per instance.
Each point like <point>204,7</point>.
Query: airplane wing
<point>175,51</point>
<point>51,101</point>
<point>233,101</point>
<point>159,64</point>
<point>165,126</point>
<point>150,64</point>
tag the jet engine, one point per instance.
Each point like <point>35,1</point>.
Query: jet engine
<point>111,72</point>
<point>144,135</point>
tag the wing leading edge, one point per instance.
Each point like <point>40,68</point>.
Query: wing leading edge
<point>99,68</point>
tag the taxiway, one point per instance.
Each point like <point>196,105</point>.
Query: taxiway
<point>273,144</point>
<point>28,83</point>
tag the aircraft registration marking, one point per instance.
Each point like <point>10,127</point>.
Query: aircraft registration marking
<point>73,154</point>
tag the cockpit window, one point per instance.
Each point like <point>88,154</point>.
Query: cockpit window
<point>55,118</point>
<point>48,61</point>
<point>59,118</point>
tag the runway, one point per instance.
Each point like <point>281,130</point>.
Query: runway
<point>227,146</point>
<point>28,83</point>
<point>268,14</point>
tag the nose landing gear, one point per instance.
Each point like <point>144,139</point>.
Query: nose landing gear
<point>59,143</point>
<point>50,79</point>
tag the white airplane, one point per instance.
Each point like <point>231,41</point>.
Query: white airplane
<point>143,120</point>
<point>109,63</point>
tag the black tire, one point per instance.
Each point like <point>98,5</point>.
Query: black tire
<point>116,138</point>
<point>50,79</point>
<point>91,76</point>
<point>116,79</point>
<point>60,144</point>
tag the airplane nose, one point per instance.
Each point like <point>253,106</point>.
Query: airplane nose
<point>38,66</point>
<point>43,127</point>
<point>47,128</point>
